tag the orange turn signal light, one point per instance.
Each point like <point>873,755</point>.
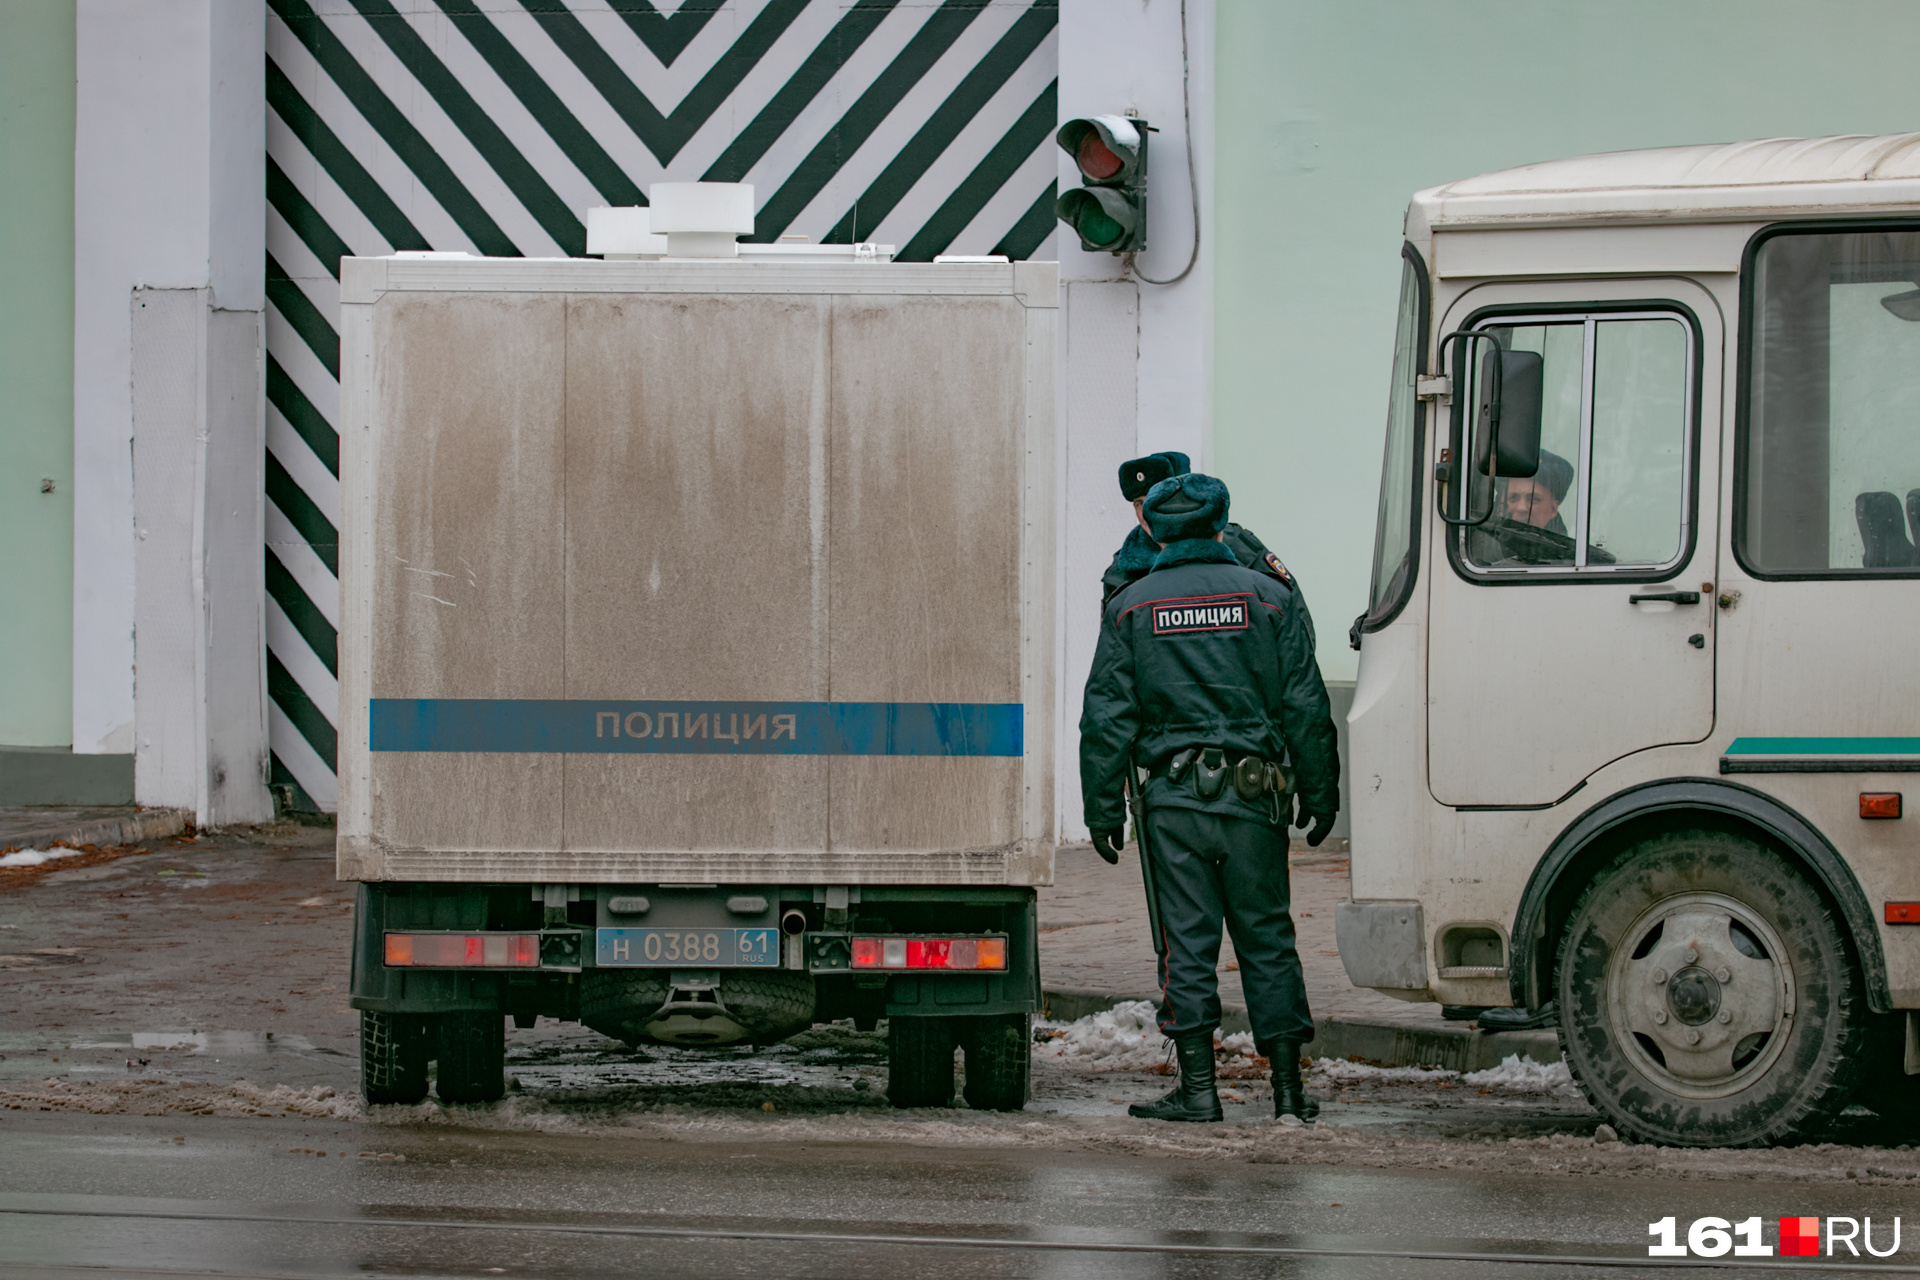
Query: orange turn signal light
<point>1879,804</point>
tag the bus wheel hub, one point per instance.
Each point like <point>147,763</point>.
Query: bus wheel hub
<point>1699,994</point>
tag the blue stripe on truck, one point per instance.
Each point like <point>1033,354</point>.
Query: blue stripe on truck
<point>696,728</point>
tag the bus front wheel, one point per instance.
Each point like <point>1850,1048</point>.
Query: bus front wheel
<point>1707,996</point>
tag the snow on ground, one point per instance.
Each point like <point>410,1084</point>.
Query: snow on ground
<point>34,857</point>
<point>1514,1075</point>
<point>1124,1038</point>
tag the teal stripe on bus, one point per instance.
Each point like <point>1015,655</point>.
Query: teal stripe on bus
<point>1824,747</point>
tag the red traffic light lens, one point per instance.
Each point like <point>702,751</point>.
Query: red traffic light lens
<point>1095,158</point>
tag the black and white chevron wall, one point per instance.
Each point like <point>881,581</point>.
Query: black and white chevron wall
<point>491,126</point>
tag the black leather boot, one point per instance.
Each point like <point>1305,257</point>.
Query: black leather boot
<point>1289,1093</point>
<point>1193,1099</point>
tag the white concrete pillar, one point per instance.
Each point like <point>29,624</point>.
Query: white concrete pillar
<point>1136,358</point>
<point>169,409</point>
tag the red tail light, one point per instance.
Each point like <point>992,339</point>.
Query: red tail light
<point>463,950</point>
<point>944,954</point>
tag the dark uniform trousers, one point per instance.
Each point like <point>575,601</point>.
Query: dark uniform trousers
<point>1208,866</point>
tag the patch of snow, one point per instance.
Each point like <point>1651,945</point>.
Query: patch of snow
<point>34,857</point>
<point>1341,1071</point>
<point>1522,1075</point>
<point>1514,1075</point>
<point>1124,1038</point>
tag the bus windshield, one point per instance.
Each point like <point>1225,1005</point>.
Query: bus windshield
<point>1394,542</point>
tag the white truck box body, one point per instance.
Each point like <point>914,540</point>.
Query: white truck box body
<point>591,510</point>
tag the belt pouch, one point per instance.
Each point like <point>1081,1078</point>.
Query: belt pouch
<point>1210,774</point>
<point>1250,778</point>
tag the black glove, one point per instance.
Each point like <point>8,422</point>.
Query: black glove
<point>1318,826</point>
<point>1108,841</point>
<point>1322,828</point>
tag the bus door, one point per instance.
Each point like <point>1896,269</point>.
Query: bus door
<point>1572,615</point>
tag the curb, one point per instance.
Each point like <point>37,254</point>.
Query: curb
<point>1388,1044</point>
<point>143,824</point>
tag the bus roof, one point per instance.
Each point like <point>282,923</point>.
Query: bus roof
<point>1716,182</point>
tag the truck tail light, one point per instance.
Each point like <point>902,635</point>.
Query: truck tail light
<point>944,954</point>
<point>463,950</point>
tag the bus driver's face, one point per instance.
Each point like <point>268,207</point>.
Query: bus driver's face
<point>1530,502</point>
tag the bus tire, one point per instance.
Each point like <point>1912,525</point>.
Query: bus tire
<point>473,1051</point>
<point>920,1062</point>
<point>1708,996</point>
<point>999,1050</point>
<point>393,1057</point>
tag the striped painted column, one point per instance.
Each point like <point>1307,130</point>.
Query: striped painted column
<point>491,126</point>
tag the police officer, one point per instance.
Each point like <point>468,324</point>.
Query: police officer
<point>1204,676</point>
<point>1135,556</point>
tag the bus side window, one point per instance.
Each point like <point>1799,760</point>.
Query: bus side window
<point>1830,457</point>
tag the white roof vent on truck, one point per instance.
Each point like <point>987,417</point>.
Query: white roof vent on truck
<point>623,233</point>
<point>702,221</point>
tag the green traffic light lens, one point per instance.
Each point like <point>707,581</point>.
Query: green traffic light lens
<point>1096,227</point>
<point>1102,218</point>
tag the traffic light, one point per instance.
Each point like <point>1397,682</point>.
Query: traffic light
<point>1109,207</point>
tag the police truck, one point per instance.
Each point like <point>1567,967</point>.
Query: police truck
<point>697,657</point>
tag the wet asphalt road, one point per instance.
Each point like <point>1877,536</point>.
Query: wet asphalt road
<point>126,1196</point>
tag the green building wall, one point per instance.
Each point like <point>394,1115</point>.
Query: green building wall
<point>36,372</point>
<point>1330,116</point>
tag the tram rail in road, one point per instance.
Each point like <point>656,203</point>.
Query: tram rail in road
<point>1514,1253</point>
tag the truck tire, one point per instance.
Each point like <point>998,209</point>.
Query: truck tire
<point>393,1057</point>
<point>473,1051</point>
<point>618,1002</point>
<point>772,1005</point>
<point>920,1062</point>
<point>1708,997</point>
<point>999,1050</point>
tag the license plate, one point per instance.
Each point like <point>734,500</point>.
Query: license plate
<point>685,948</point>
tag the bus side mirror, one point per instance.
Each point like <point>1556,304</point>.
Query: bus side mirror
<point>1508,422</point>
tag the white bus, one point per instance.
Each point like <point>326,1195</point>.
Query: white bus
<point>1639,684</point>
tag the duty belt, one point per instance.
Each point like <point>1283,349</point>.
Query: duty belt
<point>1213,767</point>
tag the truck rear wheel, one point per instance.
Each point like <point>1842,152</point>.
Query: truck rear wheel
<point>393,1057</point>
<point>920,1062</point>
<point>999,1051</point>
<point>1707,996</point>
<point>473,1050</point>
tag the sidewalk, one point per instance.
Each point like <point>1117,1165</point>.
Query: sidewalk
<point>37,826</point>
<point>1095,951</point>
